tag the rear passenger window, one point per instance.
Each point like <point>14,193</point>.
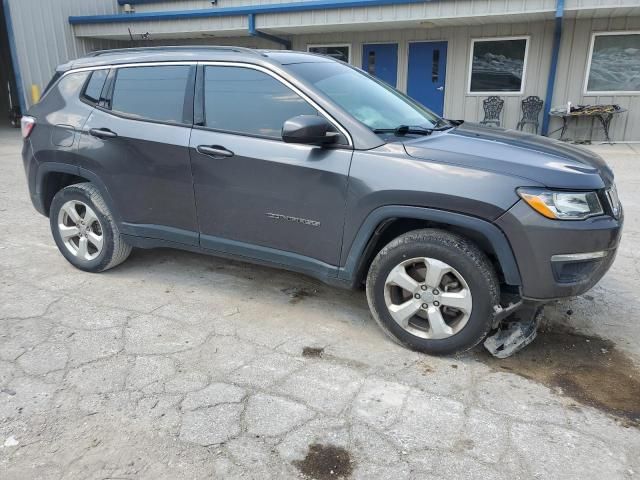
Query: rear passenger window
<point>153,93</point>
<point>248,101</point>
<point>95,84</point>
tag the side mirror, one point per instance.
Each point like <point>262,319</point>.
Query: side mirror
<point>309,130</point>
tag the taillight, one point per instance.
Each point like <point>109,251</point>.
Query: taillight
<point>26,124</point>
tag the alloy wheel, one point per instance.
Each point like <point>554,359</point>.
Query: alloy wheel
<point>80,230</point>
<point>428,298</point>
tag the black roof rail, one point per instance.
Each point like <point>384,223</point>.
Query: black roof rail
<point>98,53</point>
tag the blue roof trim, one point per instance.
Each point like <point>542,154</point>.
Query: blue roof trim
<point>139,2</point>
<point>256,33</point>
<point>232,11</point>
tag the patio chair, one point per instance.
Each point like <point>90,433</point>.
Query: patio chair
<point>492,108</point>
<point>531,107</point>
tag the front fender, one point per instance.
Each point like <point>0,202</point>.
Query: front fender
<point>484,229</point>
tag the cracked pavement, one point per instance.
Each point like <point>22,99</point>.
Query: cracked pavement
<point>176,365</point>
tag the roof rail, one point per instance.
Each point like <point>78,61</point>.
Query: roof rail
<point>98,53</point>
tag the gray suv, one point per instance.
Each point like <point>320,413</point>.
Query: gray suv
<point>303,162</point>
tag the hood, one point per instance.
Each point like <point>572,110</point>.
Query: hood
<point>539,159</point>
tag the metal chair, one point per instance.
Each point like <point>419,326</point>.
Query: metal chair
<point>531,107</point>
<point>492,108</point>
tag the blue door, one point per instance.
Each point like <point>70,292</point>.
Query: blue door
<point>427,70</point>
<point>381,61</point>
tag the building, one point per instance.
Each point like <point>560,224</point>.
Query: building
<point>448,54</point>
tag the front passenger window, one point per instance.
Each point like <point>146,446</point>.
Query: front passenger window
<point>244,100</point>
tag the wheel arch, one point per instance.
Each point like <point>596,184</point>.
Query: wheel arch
<point>388,222</point>
<point>53,177</point>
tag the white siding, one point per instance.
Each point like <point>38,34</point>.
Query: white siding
<point>572,66</point>
<point>461,105</point>
<point>44,39</point>
<point>458,104</point>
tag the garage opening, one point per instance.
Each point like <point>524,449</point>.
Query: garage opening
<point>9,102</point>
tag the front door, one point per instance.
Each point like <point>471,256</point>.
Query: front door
<point>427,71</point>
<point>381,61</point>
<point>256,195</point>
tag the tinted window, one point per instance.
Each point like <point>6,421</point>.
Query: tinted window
<point>372,102</point>
<point>95,84</point>
<point>249,101</point>
<point>155,93</point>
<point>615,63</point>
<point>498,65</point>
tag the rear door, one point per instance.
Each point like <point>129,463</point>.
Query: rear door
<point>137,142</point>
<point>255,194</point>
<point>427,73</point>
<point>381,61</point>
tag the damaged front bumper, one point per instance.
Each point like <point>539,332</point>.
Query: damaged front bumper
<point>516,327</point>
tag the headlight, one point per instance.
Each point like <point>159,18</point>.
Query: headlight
<point>562,205</point>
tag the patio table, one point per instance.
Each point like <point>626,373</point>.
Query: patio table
<point>604,113</point>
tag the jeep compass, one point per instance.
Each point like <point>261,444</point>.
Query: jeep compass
<point>303,162</point>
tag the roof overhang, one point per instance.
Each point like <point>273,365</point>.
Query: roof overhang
<point>336,16</point>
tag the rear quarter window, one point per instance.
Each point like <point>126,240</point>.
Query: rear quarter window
<point>93,89</point>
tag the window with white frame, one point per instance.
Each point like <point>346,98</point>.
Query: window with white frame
<point>614,63</point>
<point>498,65</point>
<point>339,52</point>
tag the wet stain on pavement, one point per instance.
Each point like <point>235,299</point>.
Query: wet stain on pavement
<point>324,462</point>
<point>296,294</point>
<point>312,352</point>
<point>588,369</point>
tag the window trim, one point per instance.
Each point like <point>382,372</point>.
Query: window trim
<point>187,95</point>
<point>527,39</point>
<point>111,81</point>
<point>275,75</point>
<point>612,93</point>
<point>287,84</point>
<point>321,45</point>
<point>104,90</point>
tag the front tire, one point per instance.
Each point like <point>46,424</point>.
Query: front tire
<point>433,291</point>
<point>84,229</point>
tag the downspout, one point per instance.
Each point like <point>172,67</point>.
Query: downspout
<point>14,58</point>
<point>557,37</point>
<point>255,33</point>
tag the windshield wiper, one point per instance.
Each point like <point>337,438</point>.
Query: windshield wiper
<point>402,130</point>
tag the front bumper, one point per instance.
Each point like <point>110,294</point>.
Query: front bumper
<point>536,239</point>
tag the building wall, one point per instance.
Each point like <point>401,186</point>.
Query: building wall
<point>459,104</point>
<point>44,39</point>
<point>572,68</point>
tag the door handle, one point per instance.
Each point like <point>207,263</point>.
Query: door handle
<point>440,89</point>
<point>214,151</point>
<point>102,133</point>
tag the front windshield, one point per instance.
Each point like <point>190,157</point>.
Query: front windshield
<point>372,102</point>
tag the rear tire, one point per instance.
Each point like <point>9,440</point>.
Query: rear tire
<point>84,229</point>
<point>433,291</point>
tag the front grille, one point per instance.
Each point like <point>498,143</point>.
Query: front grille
<point>614,201</point>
